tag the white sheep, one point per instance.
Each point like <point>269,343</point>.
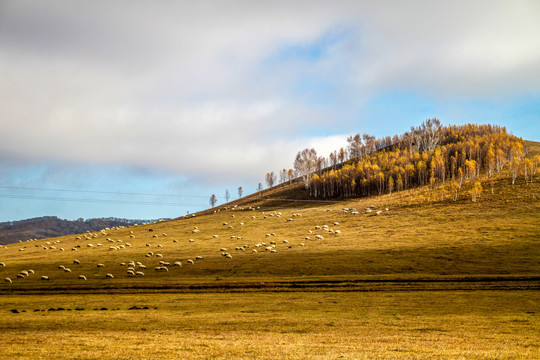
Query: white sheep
<point>109,276</point>
<point>76,261</point>
<point>302,244</point>
<point>45,278</point>
<point>8,280</point>
<point>189,261</point>
<point>2,264</point>
<point>191,240</point>
<point>199,257</point>
<point>177,263</point>
<point>319,237</point>
<point>67,270</point>
<point>131,273</point>
<point>139,273</point>
<point>215,236</point>
<point>82,277</point>
<point>100,265</point>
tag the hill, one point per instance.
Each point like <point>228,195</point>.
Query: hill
<point>282,238</point>
<point>52,226</point>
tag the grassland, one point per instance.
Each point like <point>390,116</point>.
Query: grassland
<point>429,278</point>
<point>320,325</point>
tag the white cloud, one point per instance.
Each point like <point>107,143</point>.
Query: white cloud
<point>187,87</point>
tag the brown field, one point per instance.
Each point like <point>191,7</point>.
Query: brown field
<point>428,279</point>
<point>317,325</point>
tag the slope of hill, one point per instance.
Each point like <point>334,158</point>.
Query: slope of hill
<point>275,242</point>
<point>52,226</point>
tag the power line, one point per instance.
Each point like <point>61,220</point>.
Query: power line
<point>99,192</point>
<point>105,201</point>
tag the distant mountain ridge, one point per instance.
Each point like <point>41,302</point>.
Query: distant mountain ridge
<point>52,226</point>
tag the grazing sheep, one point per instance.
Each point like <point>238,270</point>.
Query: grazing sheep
<point>45,278</point>
<point>122,264</point>
<point>25,273</point>
<point>189,261</point>
<point>290,219</point>
<point>175,241</point>
<point>61,267</point>
<point>132,236</point>
<point>100,265</point>
<point>199,258</point>
<point>148,245</point>
<point>317,227</point>
<point>254,250</point>
<point>177,263</point>
<point>337,232</point>
<point>160,246</point>
<point>195,231</point>
<point>67,270</point>
<point>161,268</point>
<point>336,223</point>
<point>142,266</point>
<point>307,238</point>
<point>228,256</point>
<point>154,236</point>
<point>378,212</point>
<point>285,241</point>
<point>159,255</point>
<point>2,264</point>
<point>225,224</point>
<point>215,236</point>
<point>164,234</point>
<point>223,249</point>
<point>109,276</point>
<point>302,244</point>
<point>76,261</point>
<point>82,277</point>
<point>139,273</point>
<point>87,245</point>
<point>319,237</point>
<point>131,273</point>
<point>30,271</point>
<point>191,240</point>
<point>8,280</point>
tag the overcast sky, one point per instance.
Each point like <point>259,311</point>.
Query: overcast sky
<point>195,97</point>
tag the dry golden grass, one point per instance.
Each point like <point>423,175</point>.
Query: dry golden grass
<point>322,325</point>
<point>301,302</point>
<point>429,238</point>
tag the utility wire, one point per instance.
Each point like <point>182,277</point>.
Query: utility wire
<point>99,192</point>
<point>105,201</point>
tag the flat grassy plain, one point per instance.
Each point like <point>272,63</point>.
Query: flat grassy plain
<point>429,278</point>
<point>303,325</point>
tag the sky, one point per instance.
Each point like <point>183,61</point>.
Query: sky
<point>143,109</point>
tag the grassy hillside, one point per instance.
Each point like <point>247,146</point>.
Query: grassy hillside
<point>423,235</point>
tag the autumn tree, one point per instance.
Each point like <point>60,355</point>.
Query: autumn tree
<point>390,184</point>
<point>213,200</point>
<point>305,164</point>
<point>240,191</point>
<point>282,176</point>
<point>290,175</point>
<point>270,179</point>
<point>476,190</point>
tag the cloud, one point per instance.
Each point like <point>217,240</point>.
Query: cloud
<point>219,90</point>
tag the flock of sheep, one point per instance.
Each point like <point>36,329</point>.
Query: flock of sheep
<point>135,268</point>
